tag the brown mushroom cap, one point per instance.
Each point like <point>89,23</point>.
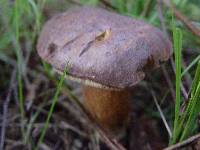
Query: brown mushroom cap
<point>102,48</point>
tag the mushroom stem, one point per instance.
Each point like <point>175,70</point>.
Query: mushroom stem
<point>109,108</point>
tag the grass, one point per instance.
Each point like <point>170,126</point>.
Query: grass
<point>185,122</point>
<point>192,109</point>
<point>22,23</point>
<point>191,65</point>
<point>177,36</point>
<point>177,42</point>
<point>13,26</point>
<point>16,21</point>
<point>55,99</point>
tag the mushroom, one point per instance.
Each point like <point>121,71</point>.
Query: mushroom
<point>108,53</point>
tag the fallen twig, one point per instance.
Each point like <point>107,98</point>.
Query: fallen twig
<point>185,20</point>
<point>184,143</point>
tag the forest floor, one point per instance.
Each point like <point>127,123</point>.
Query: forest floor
<point>28,85</point>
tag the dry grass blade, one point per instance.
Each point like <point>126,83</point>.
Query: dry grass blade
<point>161,114</point>
<point>185,20</point>
<point>164,70</point>
<point>107,4</point>
<point>183,90</point>
<point>169,81</point>
<point>5,110</point>
<point>160,13</point>
<point>184,143</point>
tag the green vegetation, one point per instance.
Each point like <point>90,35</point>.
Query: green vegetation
<point>21,22</point>
<point>55,99</point>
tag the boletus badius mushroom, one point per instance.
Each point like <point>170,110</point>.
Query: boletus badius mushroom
<point>108,53</point>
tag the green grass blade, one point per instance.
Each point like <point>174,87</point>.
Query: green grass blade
<point>192,115</point>
<point>177,37</point>
<point>55,98</point>
<point>191,65</point>
<point>194,104</point>
<point>177,42</point>
<point>37,14</point>
<point>196,79</point>
<point>19,63</point>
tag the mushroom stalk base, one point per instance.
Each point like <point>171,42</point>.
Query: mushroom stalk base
<point>109,108</point>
